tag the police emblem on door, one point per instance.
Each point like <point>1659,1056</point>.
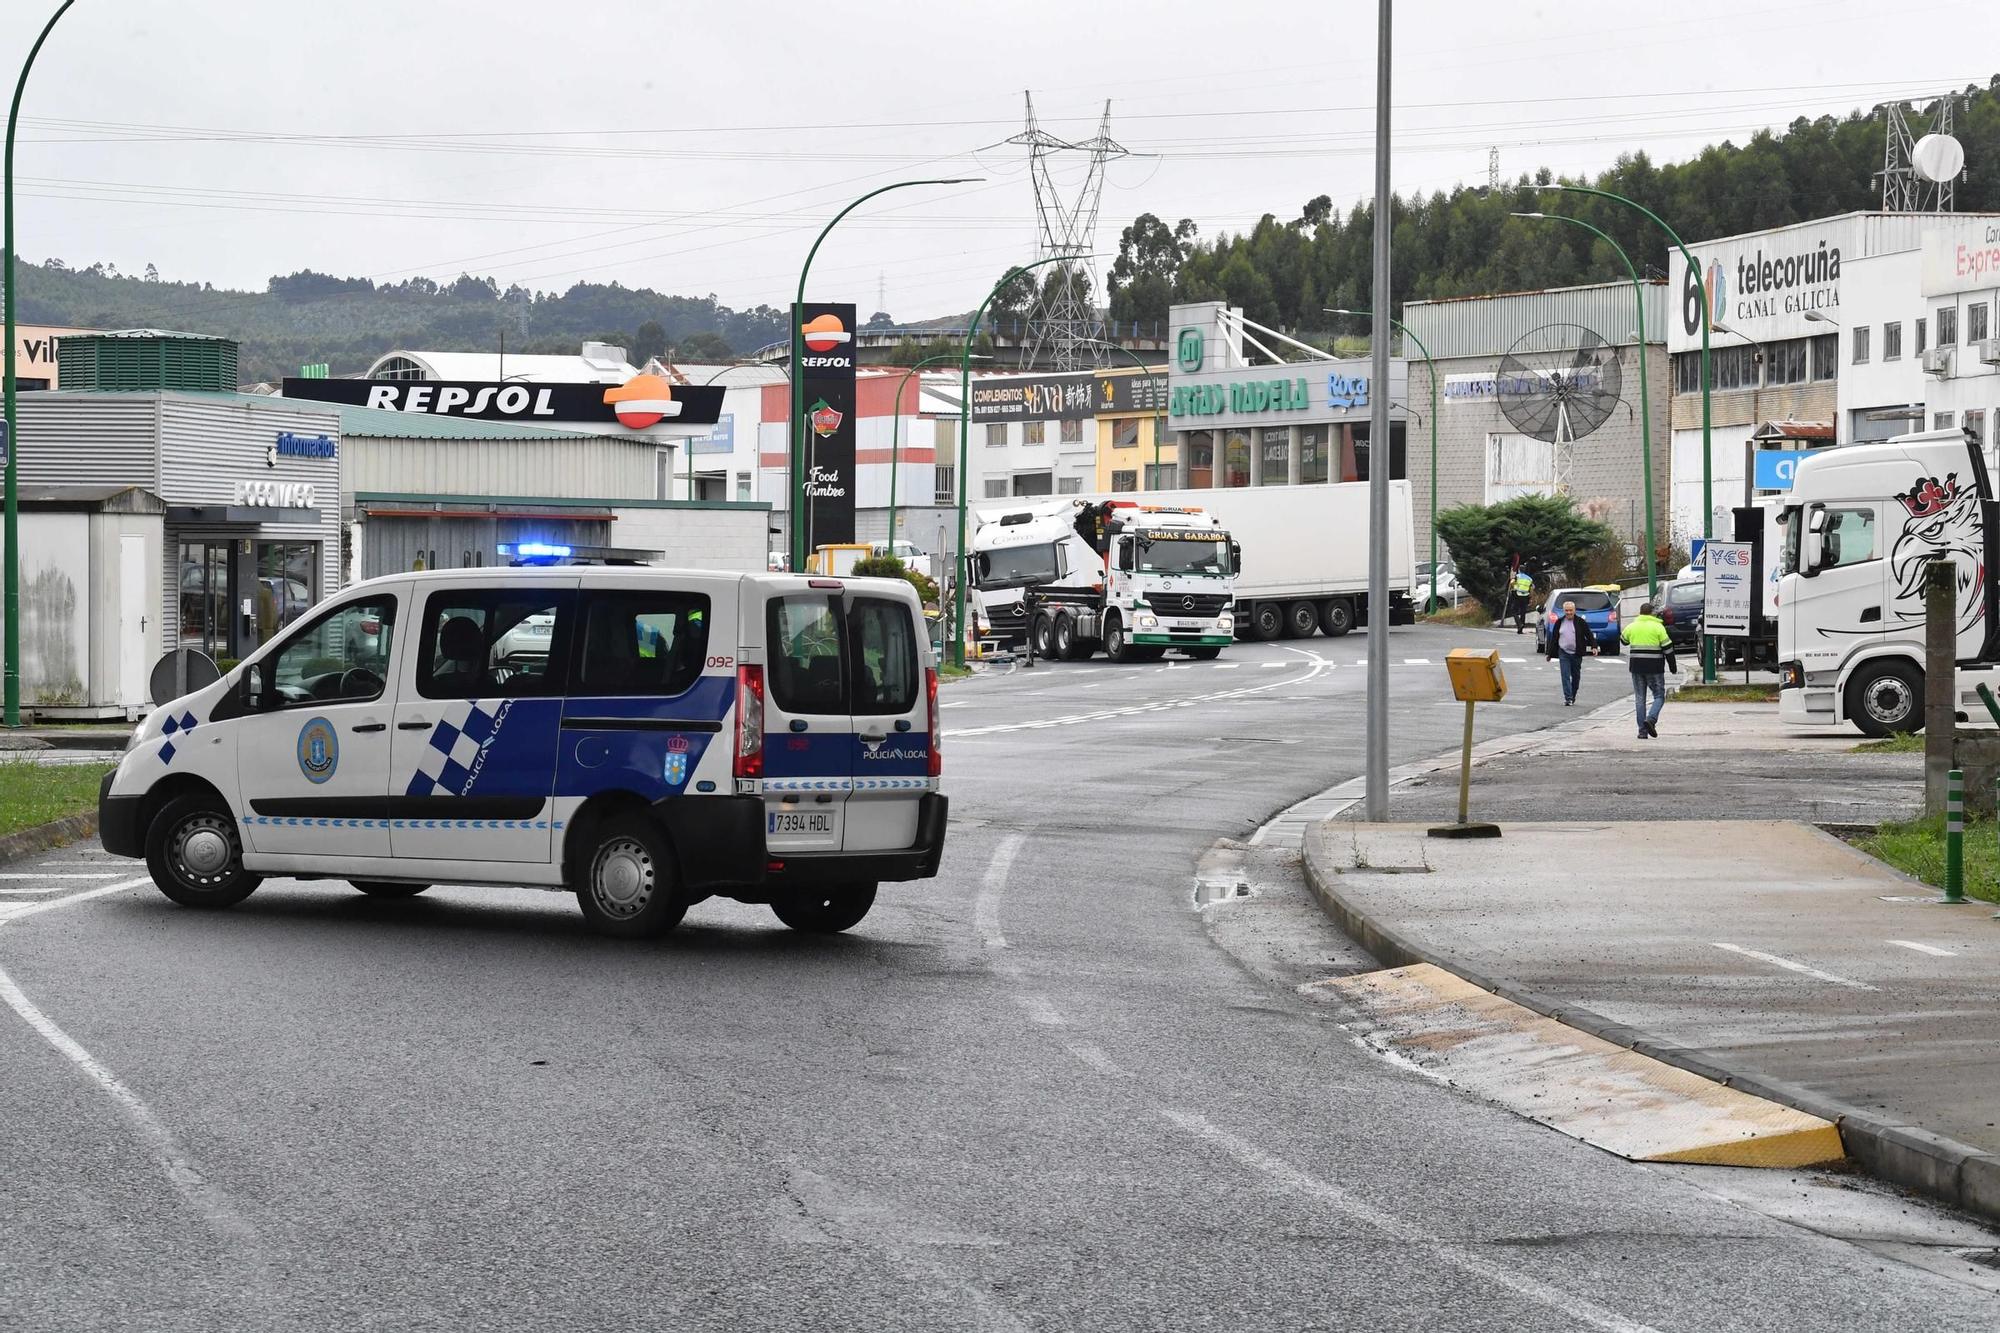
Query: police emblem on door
<point>319,750</point>
<point>676,770</point>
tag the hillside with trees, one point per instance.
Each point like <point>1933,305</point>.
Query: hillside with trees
<point>1465,242</point>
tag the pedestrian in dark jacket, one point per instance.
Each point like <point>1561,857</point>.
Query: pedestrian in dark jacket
<point>1567,642</point>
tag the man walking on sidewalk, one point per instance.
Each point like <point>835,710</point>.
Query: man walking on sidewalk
<point>1568,640</point>
<point>1651,650</point>
<point>1520,589</point>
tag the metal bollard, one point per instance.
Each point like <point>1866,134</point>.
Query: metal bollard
<point>1954,837</point>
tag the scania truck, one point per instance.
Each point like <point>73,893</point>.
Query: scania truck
<point>1860,525</point>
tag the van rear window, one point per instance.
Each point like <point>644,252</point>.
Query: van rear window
<point>1586,599</point>
<point>884,656</point>
<point>807,663</point>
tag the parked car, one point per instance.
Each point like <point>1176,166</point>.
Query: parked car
<point>1598,608</point>
<point>907,552</point>
<point>1680,609</point>
<point>1449,590</point>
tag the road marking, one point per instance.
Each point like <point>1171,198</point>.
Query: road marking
<point>1516,660</point>
<point>1930,949</point>
<point>102,874</point>
<point>1095,1057</point>
<point>1268,666</point>
<point>15,911</point>
<point>986,906</point>
<point>1791,966</point>
<point>956,703</point>
<point>1316,665</point>
<point>1040,1011</point>
<point>1225,666</point>
<point>1409,1233</point>
<point>1418,661</point>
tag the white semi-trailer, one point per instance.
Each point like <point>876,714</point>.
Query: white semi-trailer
<point>1860,525</point>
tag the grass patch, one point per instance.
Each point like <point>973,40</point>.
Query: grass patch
<point>1916,847</point>
<point>32,793</point>
<point>1467,613</point>
<point>1719,693</point>
<point>946,671</point>
<point>1910,742</point>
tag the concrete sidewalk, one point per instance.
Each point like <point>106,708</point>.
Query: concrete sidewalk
<point>1764,954</point>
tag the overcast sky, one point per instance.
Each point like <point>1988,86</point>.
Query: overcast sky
<point>697,148</point>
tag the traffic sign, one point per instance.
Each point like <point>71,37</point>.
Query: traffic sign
<point>1729,591</point>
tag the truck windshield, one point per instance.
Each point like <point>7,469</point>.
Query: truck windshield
<point>1183,555</point>
<point>1792,526</point>
<point>1017,566</point>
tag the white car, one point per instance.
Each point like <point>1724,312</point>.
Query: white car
<point>531,636</point>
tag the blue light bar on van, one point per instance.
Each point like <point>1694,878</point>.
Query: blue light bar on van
<point>542,551</point>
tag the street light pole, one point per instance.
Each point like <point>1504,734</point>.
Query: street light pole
<point>896,433</point>
<point>1707,406</point>
<point>1645,389</point>
<point>965,435</point>
<point>10,531</point>
<point>1376,787</point>
<point>796,425</point>
<point>1431,366</point>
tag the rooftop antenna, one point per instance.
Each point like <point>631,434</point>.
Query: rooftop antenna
<point>1064,330</point>
<point>1920,174</point>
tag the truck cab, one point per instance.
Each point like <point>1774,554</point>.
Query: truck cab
<point>1860,526</point>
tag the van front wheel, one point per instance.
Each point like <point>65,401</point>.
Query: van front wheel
<point>195,854</point>
<point>826,911</point>
<point>627,889</point>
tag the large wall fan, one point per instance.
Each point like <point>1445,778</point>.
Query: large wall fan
<point>1559,383</point>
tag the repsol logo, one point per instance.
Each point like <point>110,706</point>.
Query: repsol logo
<point>826,362</point>
<point>452,400</point>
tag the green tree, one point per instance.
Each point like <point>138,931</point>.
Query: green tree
<point>703,347</point>
<point>1545,531</point>
<point>649,341</point>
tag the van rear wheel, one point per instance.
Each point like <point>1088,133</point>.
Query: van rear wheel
<point>826,911</point>
<point>627,889</point>
<point>195,854</point>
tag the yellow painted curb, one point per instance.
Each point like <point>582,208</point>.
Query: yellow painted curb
<point>1584,1086</point>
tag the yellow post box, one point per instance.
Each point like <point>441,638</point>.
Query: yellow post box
<point>1476,678</point>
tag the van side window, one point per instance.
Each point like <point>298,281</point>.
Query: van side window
<point>644,643</point>
<point>884,653</point>
<point>342,657</point>
<point>1850,537</point>
<point>486,643</point>
<point>806,667</point>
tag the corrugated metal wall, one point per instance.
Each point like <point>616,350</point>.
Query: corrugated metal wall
<point>584,468</point>
<point>1489,325</point>
<point>392,545</point>
<point>109,445</point>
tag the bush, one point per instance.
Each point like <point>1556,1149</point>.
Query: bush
<point>892,567</point>
<point>1544,530</point>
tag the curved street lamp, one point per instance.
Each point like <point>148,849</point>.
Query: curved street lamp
<point>896,432</point>
<point>797,424</point>
<point>10,527</point>
<point>965,436</point>
<point>1431,366</point>
<point>1707,410</point>
<point>1645,387</point>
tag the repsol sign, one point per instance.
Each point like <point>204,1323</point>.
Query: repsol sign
<point>550,404</point>
<point>1243,398</point>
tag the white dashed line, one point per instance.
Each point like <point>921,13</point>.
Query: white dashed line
<point>1225,666</point>
<point>1930,949</point>
<point>1272,666</point>
<point>1417,661</point>
<point>1095,1057</point>
<point>1791,966</point>
<point>102,874</point>
<point>1040,1011</point>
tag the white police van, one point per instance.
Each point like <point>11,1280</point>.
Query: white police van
<point>645,737</point>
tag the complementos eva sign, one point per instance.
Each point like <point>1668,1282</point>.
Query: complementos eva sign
<point>642,401</point>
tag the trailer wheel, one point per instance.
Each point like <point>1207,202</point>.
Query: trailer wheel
<point>1117,644</point>
<point>1301,620</point>
<point>1336,616</point>
<point>1065,638</point>
<point>1886,699</point>
<point>1267,621</point>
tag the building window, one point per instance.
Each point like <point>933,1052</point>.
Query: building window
<point>1315,447</point>
<point>1975,322</point>
<point>1034,483</point>
<point>1161,476</point>
<point>1922,325</point>
<point>1034,432</point>
<point>1733,367</point>
<point>1892,342</point>
<point>1860,337</point>
<point>1519,465</point>
<point>944,434</point>
<point>1125,432</point>
<point>1201,459</point>
<point>1786,362</point>
<point>1947,326</point>
<point>399,368</point>
<point>1275,457</point>
<point>1975,426</point>
<point>996,488</point>
<point>1687,372</point>
<point>287,576</point>
<point>996,435</point>
<point>1069,485</point>
<point>1072,432</point>
<point>1941,421</point>
<point>1826,356</point>
<point>1236,458</point>
<point>1125,480</point>
<point>743,486</point>
<point>944,489</point>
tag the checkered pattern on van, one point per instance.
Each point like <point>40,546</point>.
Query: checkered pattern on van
<point>456,750</point>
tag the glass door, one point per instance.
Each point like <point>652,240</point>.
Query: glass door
<point>204,594</point>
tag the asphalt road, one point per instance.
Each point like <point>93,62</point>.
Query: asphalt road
<point>1040,1092</point>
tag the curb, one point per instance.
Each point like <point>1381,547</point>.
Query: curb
<point>44,837</point>
<point>1907,1155</point>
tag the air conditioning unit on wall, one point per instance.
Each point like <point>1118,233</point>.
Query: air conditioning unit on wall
<point>1937,361</point>
<point>1989,352</point>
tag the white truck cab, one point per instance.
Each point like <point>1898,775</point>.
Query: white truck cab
<point>646,738</point>
<point>1860,525</point>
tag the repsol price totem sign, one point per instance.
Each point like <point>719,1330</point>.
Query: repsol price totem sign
<point>826,377</point>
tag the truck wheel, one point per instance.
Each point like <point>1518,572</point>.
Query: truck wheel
<point>195,854</point>
<point>1336,616</point>
<point>826,911</point>
<point>384,888</point>
<point>1301,620</point>
<point>1267,621</point>
<point>628,889</point>
<point>1117,645</point>
<point>1065,639</point>
<point>1045,635</point>
<point>1886,699</point>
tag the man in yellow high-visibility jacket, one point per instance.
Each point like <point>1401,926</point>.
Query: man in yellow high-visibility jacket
<point>1651,651</point>
<point>1521,590</point>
